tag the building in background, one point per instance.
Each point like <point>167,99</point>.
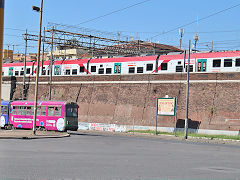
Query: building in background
<point>7,54</point>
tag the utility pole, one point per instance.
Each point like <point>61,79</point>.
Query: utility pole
<point>1,45</point>
<point>51,64</point>
<point>43,49</point>
<point>25,62</point>
<point>187,93</point>
<point>37,71</point>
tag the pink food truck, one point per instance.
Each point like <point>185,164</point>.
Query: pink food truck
<point>51,115</point>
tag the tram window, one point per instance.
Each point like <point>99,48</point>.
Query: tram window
<point>38,110</point>
<point>149,67</point>
<point>101,71</point>
<point>93,68</point>
<point>74,71</point>
<point>18,110</point>
<point>237,62</point>
<point>4,110</point>
<point>217,63</point>
<point>108,70</point>
<point>227,62</point>
<point>131,70</point>
<point>28,70</point>
<point>190,68</point>
<point>16,73</point>
<point>67,72</point>
<point>72,111</point>
<point>21,73</point>
<point>29,110</point>
<point>24,110</point>
<point>50,111</point>
<point>179,68</point>
<point>164,66</point>
<point>139,69</point>
<point>14,111</point>
<point>179,62</point>
<point>82,69</point>
<point>43,111</point>
<point>57,111</point>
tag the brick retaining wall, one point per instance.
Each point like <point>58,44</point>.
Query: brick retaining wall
<point>131,99</point>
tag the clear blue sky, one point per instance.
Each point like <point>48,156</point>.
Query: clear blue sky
<point>143,21</point>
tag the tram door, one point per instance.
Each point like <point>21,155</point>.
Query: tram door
<point>117,68</point>
<point>10,72</point>
<point>202,65</point>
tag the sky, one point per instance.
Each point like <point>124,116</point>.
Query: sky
<point>152,20</point>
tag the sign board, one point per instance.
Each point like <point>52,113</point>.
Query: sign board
<point>166,106</point>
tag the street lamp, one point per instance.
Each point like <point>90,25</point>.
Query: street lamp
<point>1,44</point>
<point>38,61</point>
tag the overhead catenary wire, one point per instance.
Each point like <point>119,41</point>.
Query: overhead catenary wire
<point>200,19</point>
<point>110,13</point>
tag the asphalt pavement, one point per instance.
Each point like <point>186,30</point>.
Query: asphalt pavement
<point>95,155</point>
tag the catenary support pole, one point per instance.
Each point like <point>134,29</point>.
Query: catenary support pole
<point>25,62</point>
<point>37,71</point>
<point>1,45</point>
<point>51,64</point>
<point>187,93</point>
<point>43,50</point>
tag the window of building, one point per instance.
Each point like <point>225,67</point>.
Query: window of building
<point>93,68</point>
<point>139,69</point>
<point>28,70</point>
<point>217,63</point>
<point>67,72</point>
<point>82,69</point>
<point>179,68</point>
<point>237,62</point>
<point>227,62</point>
<point>50,111</point>
<point>108,70</point>
<point>164,66</point>
<point>16,73</point>
<point>101,71</point>
<point>131,70</point>
<point>149,67</point>
<point>74,71</point>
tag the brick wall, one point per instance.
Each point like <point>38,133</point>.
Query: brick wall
<point>131,99</point>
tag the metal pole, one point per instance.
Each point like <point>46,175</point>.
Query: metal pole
<point>37,71</point>
<point>1,44</point>
<point>43,49</point>
<point>25,62</point>
<point>187,93</point>
<point>156,116</point>
<point>51,63</point>
<point>175,120</point>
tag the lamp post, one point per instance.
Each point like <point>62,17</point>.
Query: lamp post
<point>1,44</point>
<point>38,62</point>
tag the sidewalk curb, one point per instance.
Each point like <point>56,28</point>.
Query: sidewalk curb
<point>34,137</point>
